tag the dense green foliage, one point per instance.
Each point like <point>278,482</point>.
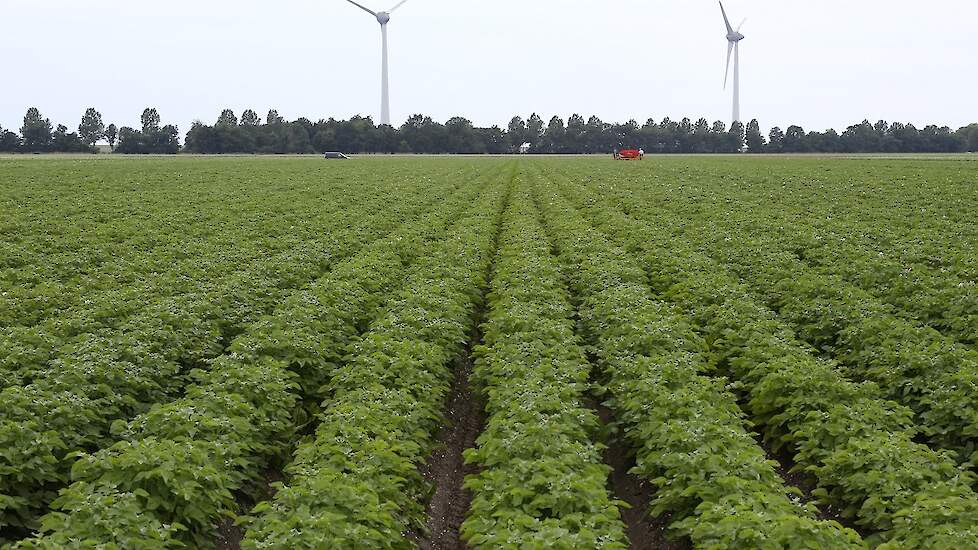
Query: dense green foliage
<point>689,435</point>
<point>541,482</point>
<point>458,135</point>
<point>421,134</point>
<point>786,346</point>
<point>839,427</point>
<point>355,484</point>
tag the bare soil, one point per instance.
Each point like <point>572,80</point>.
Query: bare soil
<point>806,483</point>
<point>446,470</point>
<point>644,531</point>
<point>230,534</point>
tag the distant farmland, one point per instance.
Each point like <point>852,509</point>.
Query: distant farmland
<point>499,352</point>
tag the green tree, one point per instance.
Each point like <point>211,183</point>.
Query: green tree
<point>492,140</point>
<point>776,140</point>
<point>36,132</point>
<point>534,131</point>
<point>250,118</point>
<point>64,142</point>
<point>861,138</point>
<point>574,137</point>
<point>150,120</point>
<point>755,139</point>
<point>111,132</point>
<point>794,140</point>
<point>461,135</point>
<point>736,137</point>
<point>153,138</point>
<point>553,136</point>
<point>596,136</point>
<point>91,128</point>
<point>297,139</point>
<point>702,140</point>
<point>273,117</point>
<point>625,135</point>
<point>9,141</point>
<point>129,140</point>
<point>516,132</point>
<point>968,135</point>
<point>227,118</point>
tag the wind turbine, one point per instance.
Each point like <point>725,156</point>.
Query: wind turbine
<point>733,47</point>
<point>383,17</point>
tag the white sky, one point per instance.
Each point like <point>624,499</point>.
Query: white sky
<point>822,64</point>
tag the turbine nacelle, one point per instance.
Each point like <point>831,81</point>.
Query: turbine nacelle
<point>383,17</point>
<point>735,37</point>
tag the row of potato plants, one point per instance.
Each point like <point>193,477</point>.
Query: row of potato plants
<point>198,258</point>
<point>58,247</point>
<point>81,279</point>
<point>906,242</point>
<point>923,285</point>
<point>541,480</point>
<point>927,294</point>
<point>33,352</point>
<point>917,366</point>
<point>108,377</point>
<point>135,252</point>
<point>101,377</point>
<point>178,467</point>
<point>689,436</point>
<point>78,230</point>
<point>186,236</point>
<point>917,210</point>
<point>858,446</point>
<point>355,483</point>
<point>914,365</point>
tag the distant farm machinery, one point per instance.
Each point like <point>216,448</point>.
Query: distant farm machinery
<point>629,154</point>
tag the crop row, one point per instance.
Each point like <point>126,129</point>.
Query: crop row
<point>178,467</point>
<point>916,366</point>
<point>920,285</point>
<point>921,288</point>
<point>916,210</point>
<point>134,253</point>
<point>355,483</point>
<point>197,260</point>
<point>131,229</point>
<point>109,377</point>
<point>689,436</point>
<point>541,481</point>
<point>205,236</point>
<point>858,446</point>
<point>905,241</point>
<point>35,352</point>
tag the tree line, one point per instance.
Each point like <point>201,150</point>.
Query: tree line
<point>38,135</point>
<point>421,134</point>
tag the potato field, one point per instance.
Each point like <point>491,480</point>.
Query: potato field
<point>729,352</point>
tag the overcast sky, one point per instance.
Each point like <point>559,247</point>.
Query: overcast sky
<point>820,64</point>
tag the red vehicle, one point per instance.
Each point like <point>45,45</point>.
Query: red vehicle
<point>629,154</point>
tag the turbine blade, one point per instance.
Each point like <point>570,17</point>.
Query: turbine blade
<point>726,75</point>
<point>399,4</point>
<point>738,26</point>
<point>362,7</point>
<point>725,20</point>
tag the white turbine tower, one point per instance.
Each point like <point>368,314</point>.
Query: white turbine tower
<point>733,47</point>
<point>383,17</point>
